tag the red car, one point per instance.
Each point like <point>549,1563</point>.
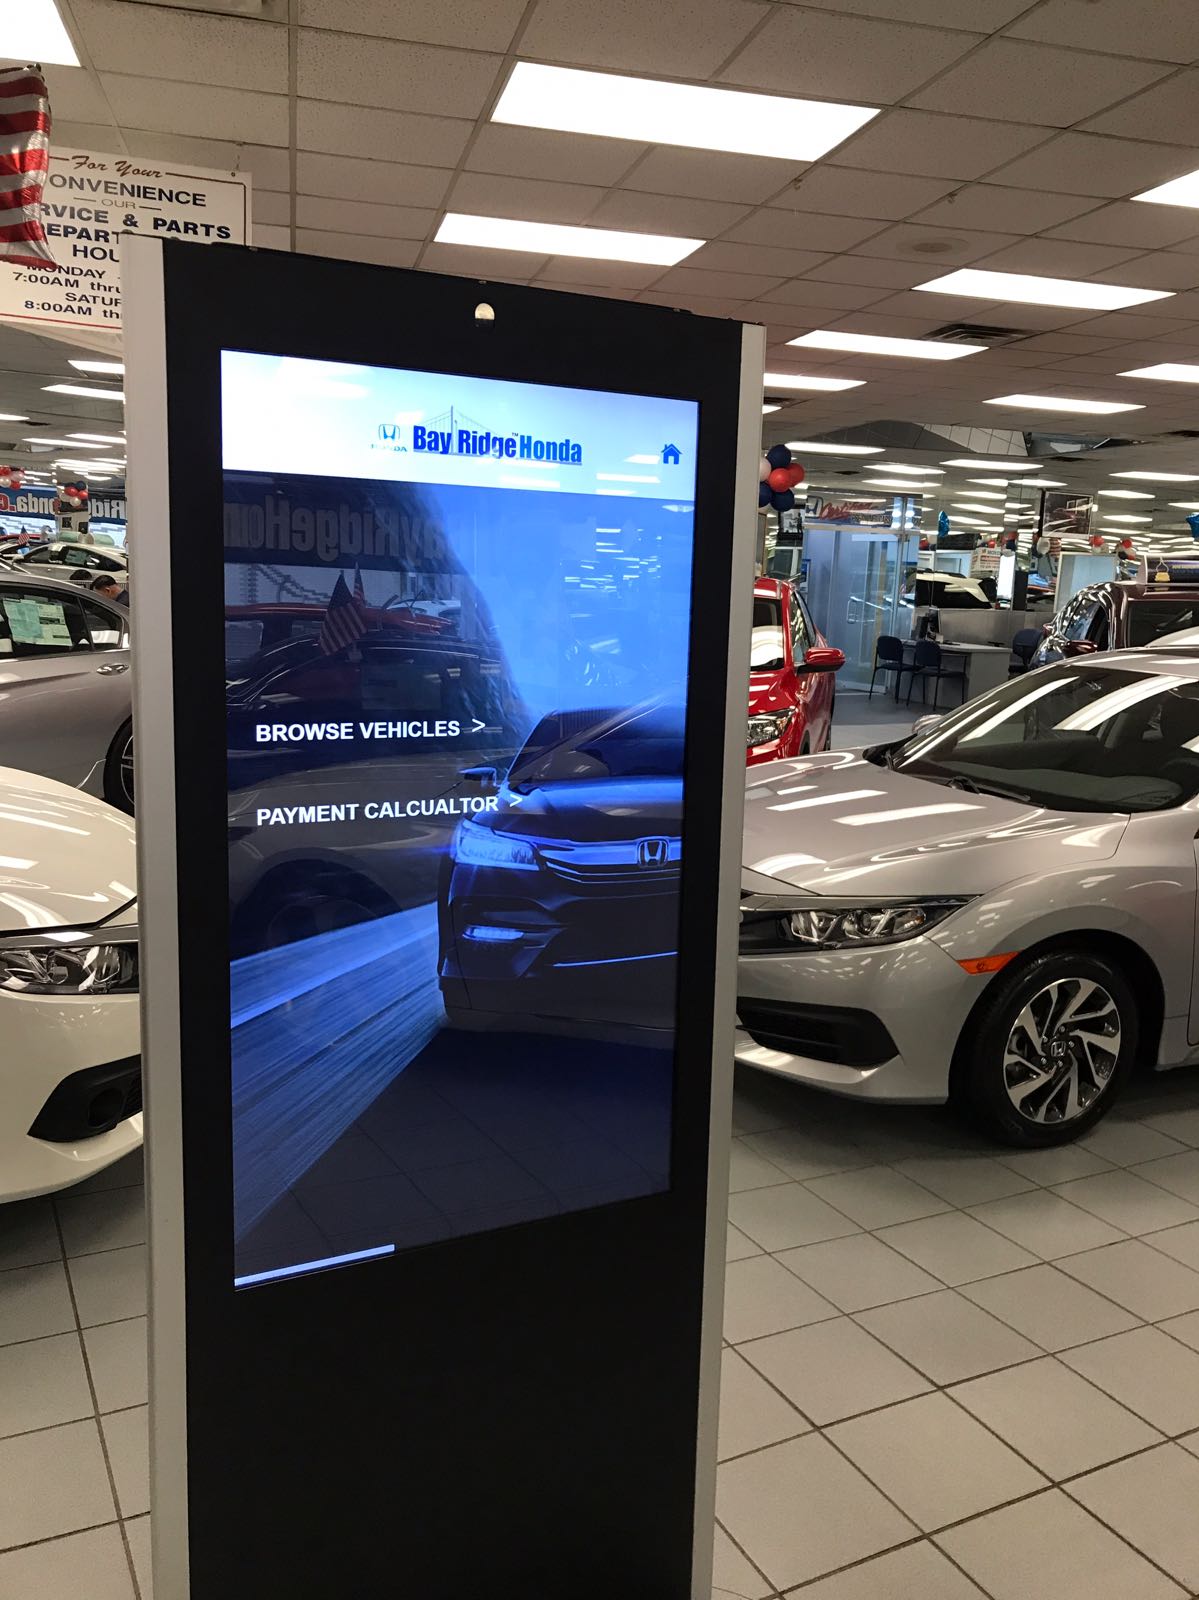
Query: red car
<point>791,685</point>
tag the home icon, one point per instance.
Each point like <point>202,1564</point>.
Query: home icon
<point>670,455</point>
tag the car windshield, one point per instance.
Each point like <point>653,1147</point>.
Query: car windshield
<point>645,742</point>
<point>1071,738</point>
<point>767,652</point>
<point>1150,620</point>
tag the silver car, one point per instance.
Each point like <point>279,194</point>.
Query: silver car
<point>999,910</point>
<point>65,707</point>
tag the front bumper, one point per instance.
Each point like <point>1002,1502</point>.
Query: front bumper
<point>48,1041</point>
<point>879,1024</point>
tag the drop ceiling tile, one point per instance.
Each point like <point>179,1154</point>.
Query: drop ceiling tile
<point>839,191</point>
<point>356,216</point>
<point>1140,227</point>
<point>452,22</point>
<point>931,145</point>
<point>1089,163</point>
<point>543,153</point>
<point>863,60</point>
<point>271,238</point>
<point>382,182</point>
<point>838,296</point>
<point>702,305</point>
<point>682,38</point>
<point>160,105</point>
<point>1039,84</point>
<point>874,321</point>
<point>990,205</point>
<point>1133,325</point>
<point>691,281</point>
<point>218,154</point>
<point>770,259</point>
<point>1162,30</point>
<point>941,308</point>
<point>267,164</point>
<point>76,97</point>
<point>505,266</point>
<point>803,230</point>
<point>482,194</point>
<point>936,250</point>
<point>712,174</point>
<point>1057,258</point>
<point>357,247</point>
<point>664,213</point>
<point>430,141</point>
<point>1159,269</point>
<point>87,136</point>
<point>1159,113</point>
<point>191,46</point>
<point>271,209</point>
<point>354,71</point>
<point>1068,344</point>
<point>628,276</point>
<point>980,16</point>
<point>872,271</point>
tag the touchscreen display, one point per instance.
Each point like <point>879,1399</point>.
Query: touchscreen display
<point>456,635</point>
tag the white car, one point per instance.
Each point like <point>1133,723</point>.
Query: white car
<point>70,1067</point>
<point>74,562</point>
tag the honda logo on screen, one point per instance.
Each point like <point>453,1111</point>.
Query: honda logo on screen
<point>389,431</point>
<point>653,852</point>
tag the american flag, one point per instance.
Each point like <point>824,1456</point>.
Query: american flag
<point>24,159</point>
<point>345,619</point>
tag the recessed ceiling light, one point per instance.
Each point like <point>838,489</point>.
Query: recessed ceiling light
<point>766,410</point>
<point>35,32</point>
<point>1025,289</point>
<point>1182,191</point>
<point>901,466</point>
<point>117,438</point>
<point>1044,483</point>
<point>112,367</point>
<point>1160,477</point>
<point>796,380</point>
<point>877,344</point>
<point>815,448</point>
<point>1185,505</point>
<point>568,100</point>
<point>905,484</point>
<point>84,391</point>
<point>1127,494</point>
<point>983,465</point>
<point>1128,517</point>
<point>986,494</point>
<point>560,239</point>
<point>1046,402</point>
<point>11,416</point>
<point>988,481</point>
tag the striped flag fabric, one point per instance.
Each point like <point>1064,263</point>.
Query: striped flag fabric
<point>345,621</point>
<point>24,161</point>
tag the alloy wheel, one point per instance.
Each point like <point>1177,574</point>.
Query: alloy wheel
<point>126,768</point>
<point>1062,1050</point>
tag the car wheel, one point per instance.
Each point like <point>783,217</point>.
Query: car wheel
<point>281,913</point>
<point>118,770</point>
<point>1050,1050</point>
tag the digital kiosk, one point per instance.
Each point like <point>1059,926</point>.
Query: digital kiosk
<point>441,632</point>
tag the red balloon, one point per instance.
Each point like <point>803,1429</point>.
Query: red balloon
<point>780,479</point>
<point>796,474</point>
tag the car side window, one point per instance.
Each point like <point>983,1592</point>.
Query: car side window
<point>1100,630</point>
<point>103,626</point>
<point>35,625</point>
<point>1080,620</point>
<point>801,641</point>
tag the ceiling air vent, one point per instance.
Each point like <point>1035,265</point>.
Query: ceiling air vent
<point>977,333</point>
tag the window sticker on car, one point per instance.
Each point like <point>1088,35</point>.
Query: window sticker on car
<point>37,622</point>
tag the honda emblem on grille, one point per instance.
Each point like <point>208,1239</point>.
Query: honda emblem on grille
<point>653,852</point>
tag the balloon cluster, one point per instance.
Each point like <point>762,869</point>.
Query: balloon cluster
<point>778,477</point>
<point>71,497</point>
<point>11,477</point>
<point>1096,541</point>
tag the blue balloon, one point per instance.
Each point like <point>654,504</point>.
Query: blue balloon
<point>779,456</point>
<point>943,523</point>
<point>764,493</point>
<point>782,500</point>
<point>1193,524</point>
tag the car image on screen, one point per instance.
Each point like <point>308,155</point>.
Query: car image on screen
<point>563,902</point>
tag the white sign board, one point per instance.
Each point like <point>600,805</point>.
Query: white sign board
<point>90,200</point>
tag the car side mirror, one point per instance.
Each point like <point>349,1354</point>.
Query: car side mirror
<point>1078,647</point>
<point>823,659</point>
<point>487,776</point>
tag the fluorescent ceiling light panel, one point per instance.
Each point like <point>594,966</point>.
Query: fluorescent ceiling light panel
<point>11,416</point>
<point>568,100</point>
<point>1127,494</point>
<point>980,464</point>
<point>795,380</point>
<point>766,410</point>
<point>904,484</point>
<point>971,505</point>
<point>103,438</point>
<point>35,32</point>
<point>1046,402</point>
<point>42,438</point>
<point>987,494</point>
<point>84,391</point>
<point>1025,289</point>
<point>900,466</point>
<point>877,344</point>
<point>1045,483</point>
<point>1166,372</point>
<point>1160,477</point>
<point>1185,505</point>
<point>989,481</point>
<point>815,448</point>
<point>113,368</point>
<point>1182,191</point>
<point>560,239</point>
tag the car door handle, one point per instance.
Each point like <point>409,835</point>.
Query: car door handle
<point>113,666</point>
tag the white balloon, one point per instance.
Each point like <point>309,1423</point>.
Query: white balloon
<point>764,470</point>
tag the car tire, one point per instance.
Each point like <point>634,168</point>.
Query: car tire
<point>118,769</point>
<point>1026,1071</point>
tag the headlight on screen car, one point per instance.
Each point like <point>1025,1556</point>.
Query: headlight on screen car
<point>81,969</point>
<point>485,847</point>
<point>810,925</point>
<point>763,726</point>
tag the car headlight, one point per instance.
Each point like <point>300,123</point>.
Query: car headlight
<point>484,847</point>
<point>804,925</point>
<point>79,969</point>
<point>763,726</point>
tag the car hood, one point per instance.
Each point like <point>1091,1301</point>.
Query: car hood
<point>835,822</point>
<point>768,691</point>
<point>586,809</point>
<point>66,860</point>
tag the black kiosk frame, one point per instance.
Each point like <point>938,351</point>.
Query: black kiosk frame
<point>524,1411</point>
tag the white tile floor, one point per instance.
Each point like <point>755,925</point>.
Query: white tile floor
<point>951,1371</point>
